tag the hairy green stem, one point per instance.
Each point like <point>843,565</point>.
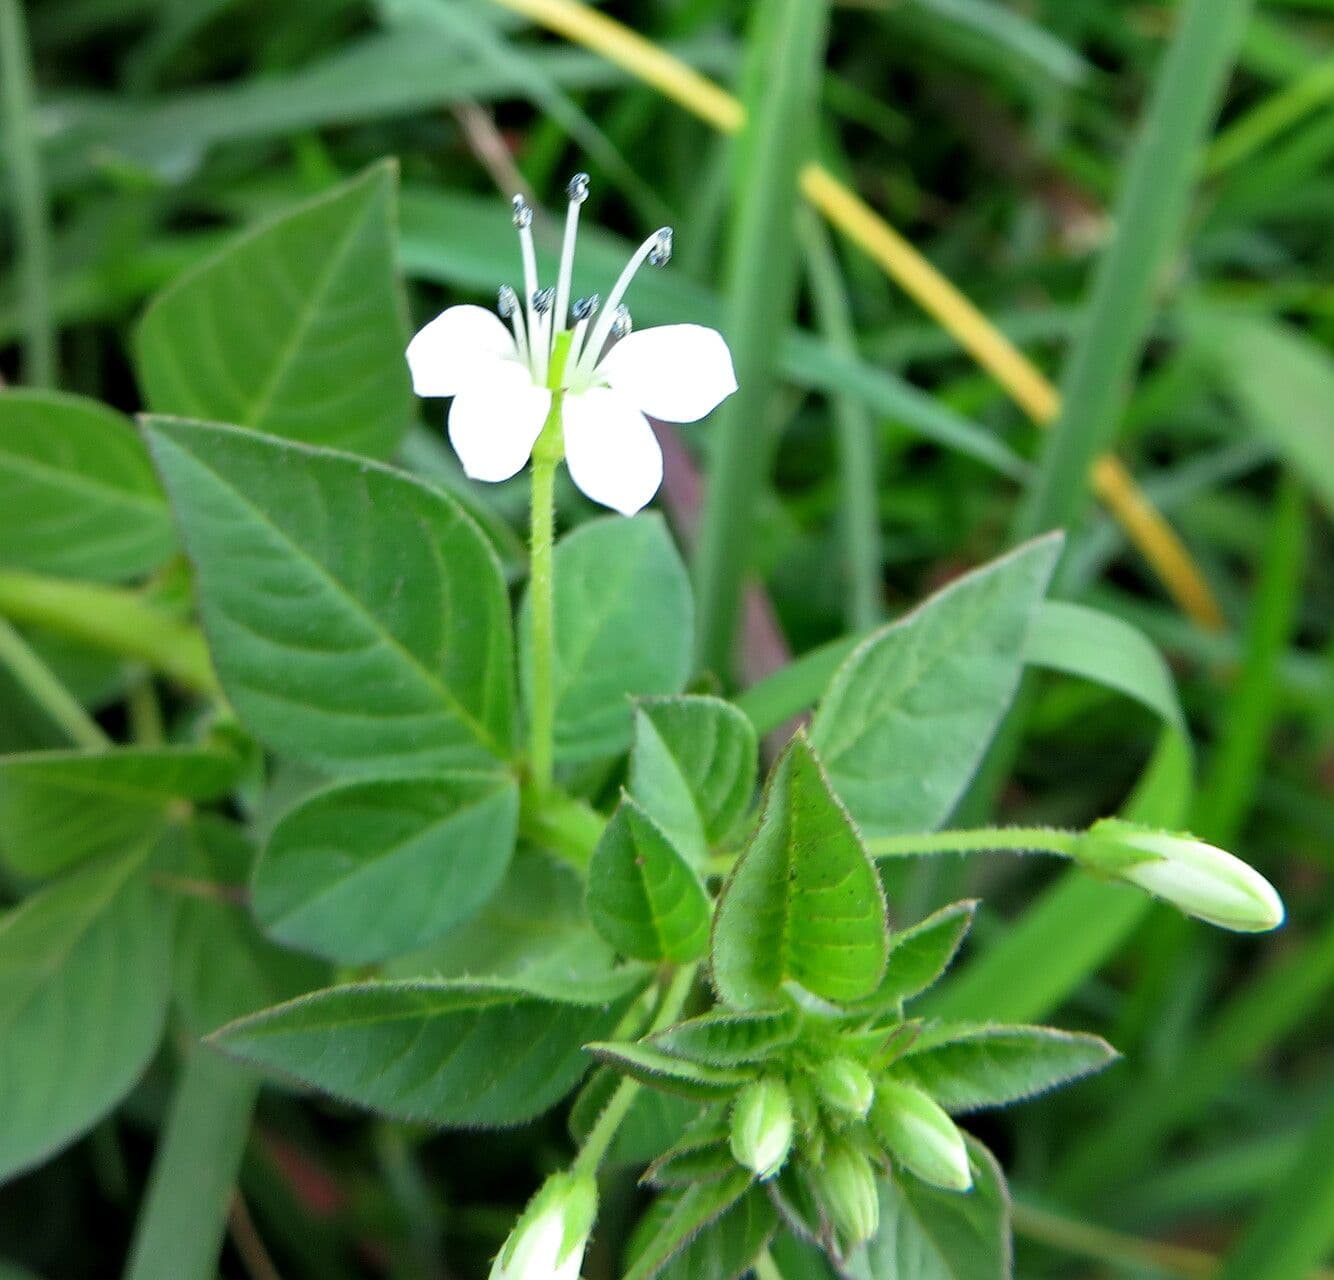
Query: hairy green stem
<point>45,688</point>
<point>978,840</point>
<point>604,1131</point>
<point>547,453</point>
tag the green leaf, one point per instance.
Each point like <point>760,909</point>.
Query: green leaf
<point>648,1065</point>
<point>930,1234</point>
<point>693,768</point>
<point>78,497</point>
<point>1284,383</point>
<point>62,807</point>
<point>446,1053</point>
<point>725,1249</point>
<point>919,955</point>
<point>297,328</point>
<point>729,1039</point>
<point>624,628</point>
<point>533,932</point>
<point>907,717</point>
<point>365,870</point>
<point>84,975</point>
<point>671,1229</point>
<point>323,651</point>
<point>967,1066</point>
<point>804,903</point>
<point>643,897</point>
<point>222,966</point>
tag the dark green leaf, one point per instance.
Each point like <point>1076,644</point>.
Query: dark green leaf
<point>446,1053</point>
<point>297,328</point>
<point>62,807</point>
<point>804,903</point>
<point>693,768</point>
<point>729,1039</point>
<point>671,1229</point>
<point>919,955</point>
<point>665,1071</point>
<point>371,869</point>
<point>643,897</point>
<point>356,617</point>
<point>78,497</point>
<point>84,980</point>
<point>624,628</point>
<point>967,1066</point>
<point>907,717</point>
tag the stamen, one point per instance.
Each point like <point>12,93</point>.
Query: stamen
<point>507,304</point>
<point>585,307</point>
<point>577,190</point>
<point>583,311</point>
<point>542,299</point>
<point>657,249</point>
<point>622,325</point>
<point>506,301</point>
<point>541,330</point>
<point>523,213</point>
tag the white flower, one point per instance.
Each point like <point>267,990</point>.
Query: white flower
<point>503,379</point>
<point>1203,881</point>
<point>548,1241</point>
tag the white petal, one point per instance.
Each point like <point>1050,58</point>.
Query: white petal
<point>456,348</point>
<point>611,450</point>
<point>678,372</point>
<point>493,424</point>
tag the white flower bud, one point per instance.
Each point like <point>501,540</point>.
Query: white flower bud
<point>762,1127</point>
<point>918,1133</point>
<point>548,1241</point>
<point>845,1185</point>
<point>1193,876</point>
<point>844,1087</point>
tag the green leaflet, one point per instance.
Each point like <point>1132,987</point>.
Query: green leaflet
<point>222,966</point>
<point>669,1230</point>
<point>907,717</point>
<point>370,869</point>
<point>729,1039</point>
<point>296,328</point>
<point>62,807</point>
<point>804,903</point>
<point>666,1071</point>
<point>84,979</point>
<point>78,497</point>
<point>968,1066</point>
<point>624,628</point>
<point>305,559</point>
<point>472,1054</point>
<point>643,897</point>
<point>930,1234</point>
<point>693,768</point>
<point>920,954</point>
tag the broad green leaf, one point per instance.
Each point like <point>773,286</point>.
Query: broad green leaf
<point>62,807</point>
<point>78,497</point>
<point>1283,382</point>
<point>533,932</point>
<point>672,1228</point>
<point>724,1249</point>
<point>222,966</point>
<point>624,623</point>
<point>804,903</point>
<point>666,1071</point>
<point>356,617</point>
<point>84,980</point>
<point>919,955</point>
<point>643,897</point>
<point>296,328</point>
<point>928,1234</point>
<point>906,719</point>
<point>366,870</point>
<point>967,1066</point>
<point>470,1054</point>
<point>693,768</point>
<point>729,1039</point>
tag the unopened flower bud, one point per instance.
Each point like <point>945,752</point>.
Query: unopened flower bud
<point>846,1187</point>
<point>917,1132</point>
<point>762,1126</point>
<point>844,1087</point>
<point>1193,876</point>
<point>549,1239</point>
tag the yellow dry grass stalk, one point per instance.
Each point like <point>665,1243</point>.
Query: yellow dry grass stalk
<point>934,293</point>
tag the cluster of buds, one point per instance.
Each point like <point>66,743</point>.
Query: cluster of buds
<point>834,1129</point>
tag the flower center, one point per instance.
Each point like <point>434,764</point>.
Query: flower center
<point>545,312</point>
